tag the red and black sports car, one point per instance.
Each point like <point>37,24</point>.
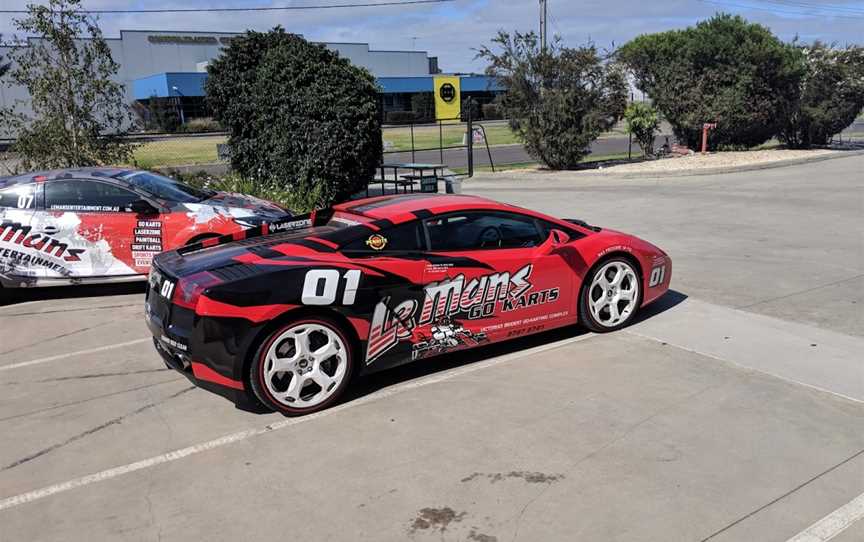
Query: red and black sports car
<point>285,314</point>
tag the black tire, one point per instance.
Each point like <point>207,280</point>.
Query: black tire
<point>258,367</point>
<point>586,317</point>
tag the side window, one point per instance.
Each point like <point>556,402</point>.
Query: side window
<point>547,227</point>
<point>404,238</point>
<point>87,196</point>
<point>482,231</point>
<point>19,196</point>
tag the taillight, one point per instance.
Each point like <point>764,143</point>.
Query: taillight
<point>189,289</point>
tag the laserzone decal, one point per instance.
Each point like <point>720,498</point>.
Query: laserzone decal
<point>447,302</point>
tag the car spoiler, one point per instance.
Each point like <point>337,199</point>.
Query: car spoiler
<point>294,223</point>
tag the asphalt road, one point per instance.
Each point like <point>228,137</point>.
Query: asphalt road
<point>502,154</point>
<point>731,412</point>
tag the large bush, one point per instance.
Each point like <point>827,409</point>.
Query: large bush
<point>832,95</point>
<point>298,115</point>
<point>558,101</point>
<point>724,70</point>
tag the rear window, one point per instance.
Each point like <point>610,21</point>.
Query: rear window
<point>18,196</point>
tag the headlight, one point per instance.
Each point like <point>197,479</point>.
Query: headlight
<point>251,221</point>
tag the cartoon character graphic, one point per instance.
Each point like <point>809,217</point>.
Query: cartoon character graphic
<point>447,334</point>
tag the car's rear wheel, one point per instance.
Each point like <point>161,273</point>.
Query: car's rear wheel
<point>303,366</point>
<point>611,296</point>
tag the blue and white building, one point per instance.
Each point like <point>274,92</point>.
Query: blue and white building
<point>173,65</point>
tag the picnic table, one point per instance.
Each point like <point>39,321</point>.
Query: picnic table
<point>407,181</point>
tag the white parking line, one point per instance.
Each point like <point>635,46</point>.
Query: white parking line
<point>72,354</point>
<point>107,474</point>
<point>834,523</point>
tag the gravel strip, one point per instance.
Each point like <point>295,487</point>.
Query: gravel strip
<point>696,162</point>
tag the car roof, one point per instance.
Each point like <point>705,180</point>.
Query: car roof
<point>410,206</point>
<point>95,173</point>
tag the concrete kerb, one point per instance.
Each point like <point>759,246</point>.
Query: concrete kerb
<point>608,173</point>
<point>744,168</point>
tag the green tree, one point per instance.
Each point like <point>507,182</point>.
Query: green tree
<point>832,95</point>
<point>299,116</point>
<point>643,122</point>
<point>559,100</point>
<point>79,110</point>
<point>4,66</point>
<point>723,70</point>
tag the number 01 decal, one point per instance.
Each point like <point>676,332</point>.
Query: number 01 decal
<point>321,286</point>
<point>658,274</point>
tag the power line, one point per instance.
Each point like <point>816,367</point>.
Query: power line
<point>779,10</point>
<point>818,7</point>
<point>224,10</point>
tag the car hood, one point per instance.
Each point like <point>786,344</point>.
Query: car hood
<point>232,205</point>
<point>242,202</point>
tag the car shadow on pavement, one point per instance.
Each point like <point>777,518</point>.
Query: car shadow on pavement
<point>14,296</point>
<point>412,371</point>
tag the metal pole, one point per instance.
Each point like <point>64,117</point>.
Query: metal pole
<point>470,139</point>
<point>441,140</point>
<point>544,29</point>
<point>413,159</point>
<point>630,145</point>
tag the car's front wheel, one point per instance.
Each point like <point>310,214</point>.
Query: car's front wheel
<point>611,296</point>
<point>302,367</point>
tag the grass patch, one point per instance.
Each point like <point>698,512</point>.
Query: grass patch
<point>429,137</point>
<point>180,151</point>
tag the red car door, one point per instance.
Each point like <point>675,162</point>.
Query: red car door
<point>494,277</point>
<point>95,218</point>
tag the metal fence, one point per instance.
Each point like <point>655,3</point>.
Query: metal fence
<point>445,141</point>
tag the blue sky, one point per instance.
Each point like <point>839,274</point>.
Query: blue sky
<point>453,30</point>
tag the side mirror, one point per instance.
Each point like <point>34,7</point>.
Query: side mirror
<point>556,239</point>
<point>559,237</point>
<point>143,207</point>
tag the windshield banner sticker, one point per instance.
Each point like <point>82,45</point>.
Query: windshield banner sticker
<point>147,242</point>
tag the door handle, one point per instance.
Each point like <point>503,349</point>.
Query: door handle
<point>50,230</point>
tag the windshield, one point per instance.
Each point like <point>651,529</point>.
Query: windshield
<point>166,188</point>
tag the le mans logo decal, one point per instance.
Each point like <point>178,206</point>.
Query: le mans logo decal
<point>376,242</point>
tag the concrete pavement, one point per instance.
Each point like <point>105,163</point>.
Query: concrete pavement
<point>785,242</point>
<point>731,411</point>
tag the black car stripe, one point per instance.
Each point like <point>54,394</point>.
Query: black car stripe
<point>314,245</point>
<point>383,223</point>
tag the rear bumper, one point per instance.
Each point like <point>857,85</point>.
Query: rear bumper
<point>206,378</point>
<point>206,363</point>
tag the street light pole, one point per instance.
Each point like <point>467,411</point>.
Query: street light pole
<point>544,26</point>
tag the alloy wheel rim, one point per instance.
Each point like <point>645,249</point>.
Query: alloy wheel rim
<point>613,294</point>
<point>305,365</point>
